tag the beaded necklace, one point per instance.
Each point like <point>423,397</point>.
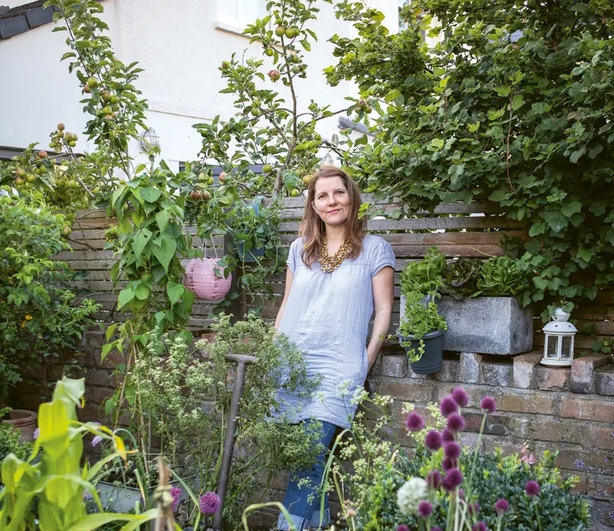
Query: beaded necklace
<point>329,263</point>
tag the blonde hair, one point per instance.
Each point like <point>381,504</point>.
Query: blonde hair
<point>313,229</point>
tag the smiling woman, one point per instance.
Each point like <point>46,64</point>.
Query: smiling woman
<point>338,277</point>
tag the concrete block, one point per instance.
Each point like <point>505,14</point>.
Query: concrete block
<point>469,370</point>
<point>497,374</point>
<point>449,371</point>
<point>524,370</point>
<point>394,366</point>
<point>582,370</point>
<point>552,378</point>
<point>487,325</point>
<point>604,381</point>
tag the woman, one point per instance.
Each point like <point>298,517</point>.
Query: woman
<point>337,277</point>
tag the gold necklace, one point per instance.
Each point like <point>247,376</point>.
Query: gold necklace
<point>329,263</point>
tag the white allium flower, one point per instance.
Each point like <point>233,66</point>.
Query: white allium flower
<point>411,494</point>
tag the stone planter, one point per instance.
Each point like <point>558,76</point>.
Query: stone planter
<point>24,421</point>
<point>487,325</point>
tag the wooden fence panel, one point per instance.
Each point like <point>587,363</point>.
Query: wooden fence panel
<point>457,229</point>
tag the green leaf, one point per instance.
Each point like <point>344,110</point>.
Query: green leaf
<point>575,156</point>
<point>139,242</point>
<point>504,92</point>
<point>162,219</point>
<point>164,249</point>
<point>568,209</point>
<point>393,95</point>
<point>125,296</point>
<point>517,102</point>
<point>174,292</point>
<point>142,292</point>
<point>151,195</point>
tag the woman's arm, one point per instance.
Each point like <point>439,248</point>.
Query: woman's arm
<point>280,313</point>
<point>383,296</point>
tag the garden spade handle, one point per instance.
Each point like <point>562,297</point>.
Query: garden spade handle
<point>242,363</point>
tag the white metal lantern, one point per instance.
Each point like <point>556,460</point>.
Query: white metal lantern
<point>559,340</point>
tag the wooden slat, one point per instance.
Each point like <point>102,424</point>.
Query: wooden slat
<point>478,222</point>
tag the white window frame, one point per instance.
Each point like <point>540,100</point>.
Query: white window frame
<point>233,16</point>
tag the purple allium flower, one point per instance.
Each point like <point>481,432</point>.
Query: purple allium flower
<point>402,527</point>
<point>209,503</point>
<point>433,479</point>
<point>532,488</point>
<point>36,433</point>
<point>456,422</point>
<point>448,463</point>
<point>435,528</point>
<point>433,440</point>
<point>448,406</point>
<point>452,450</point>
<point>461,494</point>
<point>454,477</point>
<point>488,404</point>
<point>447,435</point>
<point>175,493</point>
<point>480,526</point>
<point>473,508</point>
<point>414,422</point>
<point>460,396</point>
<point>96,440</point>
<point>424,509</point>
<point>502,506</point>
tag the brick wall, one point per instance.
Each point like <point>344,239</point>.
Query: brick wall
<point>566,409</point>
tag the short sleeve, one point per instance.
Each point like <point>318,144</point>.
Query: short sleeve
<point>382,256</point>
<point>294,254</point>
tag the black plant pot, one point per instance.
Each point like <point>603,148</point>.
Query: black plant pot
<point>432,359</point>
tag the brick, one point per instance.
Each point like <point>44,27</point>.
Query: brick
<point>601,437</point>
<point>100,378</point>
<point>582,370</point>
<point>600,486</point>
<point>595,408</point>
<point>552,378</point>
<point>580,487</point>
<point>604,381</point>
<point>501,425</point>
<point>496,374</point>
<point>524,370</point>
<point>111,360</point>
<point>469,371</point>
<point>558,430</point>
<point>582,461</point>
<point>97,395</point>
<point>395,366</point>
<point>525,401</point>
<point>449,371</point>
<point>406,389</point>
<point>415,375</point>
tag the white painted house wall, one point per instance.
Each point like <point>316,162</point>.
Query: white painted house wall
<point>180,46</point>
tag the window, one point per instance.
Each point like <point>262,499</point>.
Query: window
<point>235,15</point>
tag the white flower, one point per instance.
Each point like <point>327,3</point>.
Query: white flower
<point>411,494</point>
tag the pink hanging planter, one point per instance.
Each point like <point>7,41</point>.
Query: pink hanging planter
<point>201,278</point>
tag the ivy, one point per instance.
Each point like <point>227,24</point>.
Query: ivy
<point>513,104</point>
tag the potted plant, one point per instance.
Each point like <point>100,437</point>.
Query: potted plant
<point>422,328</point>
<point>485,304</point>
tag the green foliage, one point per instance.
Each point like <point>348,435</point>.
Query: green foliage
<point>275,129</point>
<point>513,104</point>
<point>500,277</point>
<point>9,441</point>
<point>116,106</point>
<point>185,397</point>
<point>46,491</point>
<point>367,472</point>
<point>420,282</point>
<point>460,277</point>
<point>39,318</point>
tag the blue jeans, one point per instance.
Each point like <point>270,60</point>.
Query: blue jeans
<point>303,502</point>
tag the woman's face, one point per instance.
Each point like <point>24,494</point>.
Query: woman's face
<point>331,201</point>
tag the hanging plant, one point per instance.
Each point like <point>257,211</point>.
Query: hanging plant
<point>205,277</point>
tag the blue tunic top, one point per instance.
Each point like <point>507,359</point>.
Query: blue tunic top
<point>327,317</point>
